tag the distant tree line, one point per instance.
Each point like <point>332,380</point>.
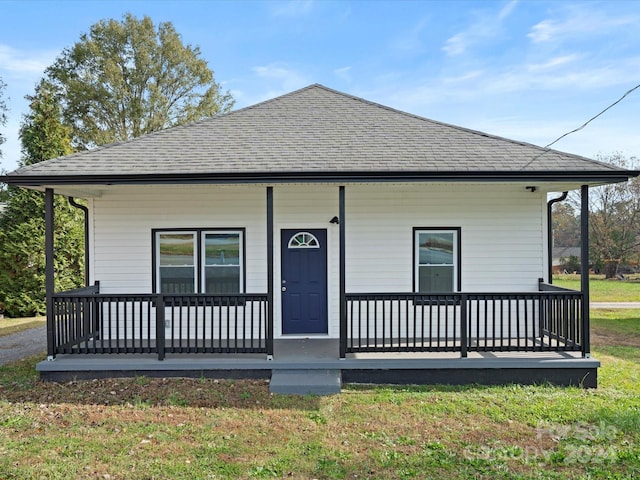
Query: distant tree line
<point>614,221</point>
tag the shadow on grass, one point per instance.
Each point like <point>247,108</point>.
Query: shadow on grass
<point>20,382</point>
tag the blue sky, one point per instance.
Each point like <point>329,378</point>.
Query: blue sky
<point>526,70</point>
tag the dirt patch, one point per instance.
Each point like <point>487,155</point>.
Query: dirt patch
<point>605,337</point>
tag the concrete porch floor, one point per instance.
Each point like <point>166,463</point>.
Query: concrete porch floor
<point>312,354</point>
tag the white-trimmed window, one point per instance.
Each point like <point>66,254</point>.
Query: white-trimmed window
<point>198,260</point>
<point>222,262</point>
<point>436,260</point>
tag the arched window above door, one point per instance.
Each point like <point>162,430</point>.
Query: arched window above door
<point>303,240</point>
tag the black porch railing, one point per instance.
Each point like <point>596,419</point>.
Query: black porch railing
<point>85,321</point>
<point>544,321</point>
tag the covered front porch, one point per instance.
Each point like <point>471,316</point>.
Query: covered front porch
<point>452,337</point>
<point>390,338</point>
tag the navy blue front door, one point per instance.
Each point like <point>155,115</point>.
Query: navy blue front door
<point>304,281</point>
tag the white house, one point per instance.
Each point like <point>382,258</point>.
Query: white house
<point>318,231</point>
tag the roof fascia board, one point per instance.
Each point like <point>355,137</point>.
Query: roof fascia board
<point>310,177</point>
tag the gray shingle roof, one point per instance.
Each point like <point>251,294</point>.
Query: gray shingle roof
<point>313,130</point>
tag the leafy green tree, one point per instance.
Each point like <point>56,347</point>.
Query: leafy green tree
<point>615,220</point>
<point>22,263</point>
<point>566,225</point>
<point>3,122</point>
<point>125,79</point>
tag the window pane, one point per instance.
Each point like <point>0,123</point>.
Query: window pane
<point>176,264</point>
<point>435,279</point>
<point>219,279</point>
<point>435,248</point>
<point>177,280</point>
<point>176,249</point>
<point>222,249</point>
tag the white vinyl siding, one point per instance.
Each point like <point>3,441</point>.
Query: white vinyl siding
<point>502,242</point>
<point>502,225</point>
<point>123,219</point>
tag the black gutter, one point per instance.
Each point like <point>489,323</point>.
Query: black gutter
<point>550,204</point>
<point>85,211</point>
<point>328,177</point>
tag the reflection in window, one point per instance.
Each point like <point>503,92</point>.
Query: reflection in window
<point>222,262</point>
<point>205,261</point>
<point>437,262</point>
<point>177,262</point>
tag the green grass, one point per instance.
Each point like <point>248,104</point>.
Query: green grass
<point>602,290</point>
<point>142,428</point>
<point>617,333</point>
<point>9,326</point>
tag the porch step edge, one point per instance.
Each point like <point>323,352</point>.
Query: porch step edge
<point>306,382</point>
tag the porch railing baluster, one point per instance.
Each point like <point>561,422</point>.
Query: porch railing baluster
<point>462,322</point>
<point>463,326</point>
<point>87,322</point>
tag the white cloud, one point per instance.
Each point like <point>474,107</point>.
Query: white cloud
<point>343,73</point>
<point>293,8</point>
<point>288,78</point>
<point>465,77</point>
<point>486,25</point>
<point>20,70</point>
<point>411,40</point>
<point>457,44</point>
<point>25,65</point>
<point>578,22</point>
<point>553,63</point>
<point>507,9</point>
<point>276,79</point>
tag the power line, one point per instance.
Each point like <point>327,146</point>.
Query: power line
<point>546,147</point>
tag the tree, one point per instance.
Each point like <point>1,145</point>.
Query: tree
<point>125,79</point>
<point>566,225</point>
<point>3,112</point>
<point>22,265</point>
<point>615,220</point>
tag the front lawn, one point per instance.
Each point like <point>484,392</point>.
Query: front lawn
<point>9,326</point>
<point>197,429</point>
<point>602,290</point>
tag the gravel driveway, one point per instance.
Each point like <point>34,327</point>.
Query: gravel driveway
<point>22,344</point>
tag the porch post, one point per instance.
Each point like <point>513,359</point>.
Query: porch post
<point>343,295</point>
<point>584,268</point>
<point>49,279</point>
<point>269,272</point>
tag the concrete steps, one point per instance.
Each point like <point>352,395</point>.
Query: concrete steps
<point>306,382</point>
